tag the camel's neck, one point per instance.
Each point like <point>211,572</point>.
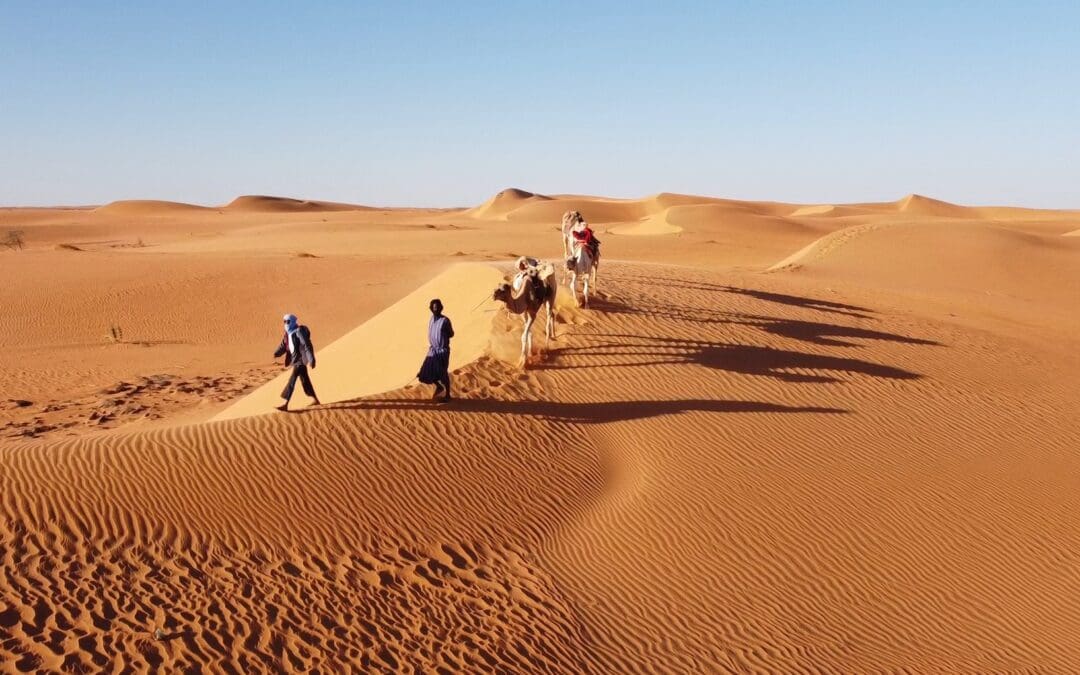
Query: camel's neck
<point>521,300</point>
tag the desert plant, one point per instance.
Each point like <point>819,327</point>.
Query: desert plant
<point>116,333</point>
<point>14,240</point>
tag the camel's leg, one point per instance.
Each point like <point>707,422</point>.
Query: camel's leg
<point>550,304</point>
<point>547,326</point>
<point>585,292</point>
<point>526,343</point>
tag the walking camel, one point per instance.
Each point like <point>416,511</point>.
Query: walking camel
<point>537,290</point>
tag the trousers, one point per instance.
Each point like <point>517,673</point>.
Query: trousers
<point>299,371</point>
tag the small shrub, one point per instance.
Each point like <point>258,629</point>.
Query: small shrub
<point>14,240</point>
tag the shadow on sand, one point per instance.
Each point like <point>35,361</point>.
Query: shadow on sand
<point>641,350</point>
<point>580,413</point>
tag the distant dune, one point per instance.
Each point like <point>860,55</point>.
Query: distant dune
<point>148,207</point>
<point>265,204</point>
<point>925,206</point>
<point>819,210</point>
<point>505,202</point>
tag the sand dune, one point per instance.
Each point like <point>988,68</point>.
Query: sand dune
<point>265,204</point>
<point>925,206</point>
<point>819,210</point>
<point>503,203</point>
<point>147,207</point>
<point>385,352</point>
<point>980,269</point>
<point>861,461</point>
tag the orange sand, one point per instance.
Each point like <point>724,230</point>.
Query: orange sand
<point>784,438</point>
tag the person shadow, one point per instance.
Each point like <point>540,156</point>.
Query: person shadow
<point>580,412</point>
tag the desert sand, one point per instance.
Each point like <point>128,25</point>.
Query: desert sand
<point>783,438</point>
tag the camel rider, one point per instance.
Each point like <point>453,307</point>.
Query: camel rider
<point>583,236</point>
<point>524,264</point>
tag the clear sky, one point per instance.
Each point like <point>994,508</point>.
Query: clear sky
<point>445,103</point>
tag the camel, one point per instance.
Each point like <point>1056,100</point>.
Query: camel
<point>582,265</point>
<point>537,290</point>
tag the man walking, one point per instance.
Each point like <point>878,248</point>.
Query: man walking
<point>436,367</point>
<point>299,353</point>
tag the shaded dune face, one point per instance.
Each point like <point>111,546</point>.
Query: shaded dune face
<point>830,440</point>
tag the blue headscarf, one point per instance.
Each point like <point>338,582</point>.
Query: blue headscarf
<point>290,323</point>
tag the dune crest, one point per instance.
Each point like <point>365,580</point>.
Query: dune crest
<point>147,207</point>
<point>818,210</point>
<point>926,206</point>
<point>503,203</point>
<point>268,204</point>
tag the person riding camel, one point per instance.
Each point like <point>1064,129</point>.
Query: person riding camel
<point>583,236</point>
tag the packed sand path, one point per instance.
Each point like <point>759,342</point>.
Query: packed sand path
<point>863,460</point>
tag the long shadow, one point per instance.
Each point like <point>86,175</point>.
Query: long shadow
<point>823,333</point>
<point>735,358</point>
<point>580,413</point>
<point>793,300</point>
<point>799,301</point>
<point>677,312</point>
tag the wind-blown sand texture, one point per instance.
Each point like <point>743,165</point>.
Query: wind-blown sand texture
<point>788,439</point>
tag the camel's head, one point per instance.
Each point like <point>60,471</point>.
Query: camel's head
<point>501,293</point>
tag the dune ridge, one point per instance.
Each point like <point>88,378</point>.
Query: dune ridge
<point>147,207</point>
<point>268,204</point>
<point>925,206</point>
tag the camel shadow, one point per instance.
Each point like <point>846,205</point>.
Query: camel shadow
<point>580,413</point>
<point>768,296</point>
<point>611,305</point>
<point>800,301</point>
<point>782,364</point>
<point>814,332</point>
<point>825,333</point>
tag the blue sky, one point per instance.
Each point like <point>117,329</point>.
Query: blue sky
<point>443,104</point>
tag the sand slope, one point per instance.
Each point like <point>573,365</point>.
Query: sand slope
<point>385,352</point>
<point>1027,277</point>
<point>810,530</point>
